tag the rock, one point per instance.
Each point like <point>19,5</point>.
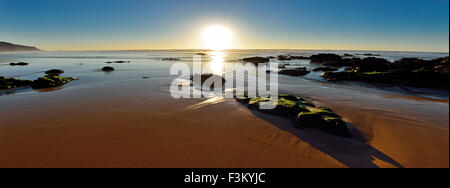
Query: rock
<point>411,72</point>
<point>414,64</point>
<point>371,64</point>
<point>294,72</point>
<point>54,72</point>
<point>348,55</point>
<point>325,58</point>
<point>202,54</point>
<point>19,64</point>
<point>421,79</point>
<point>325,69</point>
<point>170,59</point>
<point>369,54</point>
<point>282,66</point>
<point>11,83</point>
<point>289,57</point>
<point>333,60</point>
<point>208,77</point>
<point>303,112</point>
<point>51,81</point>
<point>108,69</point>
<point>118,62</point>
<point>284,107</point>
<point>331,125</point>
<point>257,60</point>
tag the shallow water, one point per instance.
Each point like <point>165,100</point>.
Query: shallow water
<point>401,127</point>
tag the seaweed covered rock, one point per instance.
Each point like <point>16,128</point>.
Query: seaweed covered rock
<point>51,81</point>
<point>108,69</point>
<point>295,72</point>
<point>257,60</point>
<point>11,83</point>
<point>303,112</point>
<point>19,64</point>
<point>283,107</point>
<point>54,72</point>
<point>323,122</point>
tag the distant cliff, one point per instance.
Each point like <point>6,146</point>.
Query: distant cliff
<point>8,47</point>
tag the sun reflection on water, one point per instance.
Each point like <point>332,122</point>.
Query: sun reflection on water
<point>217,62</point>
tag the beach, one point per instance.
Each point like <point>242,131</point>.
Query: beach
<point>127,118</point>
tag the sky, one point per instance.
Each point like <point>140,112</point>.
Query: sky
<point>390,25</point>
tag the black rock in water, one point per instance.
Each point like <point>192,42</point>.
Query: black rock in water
<point>257,60</point>
<point>108,69</point>
<point>19,64</point>
<point>54,72</point>
<point>325,69</point>
<point>295,72</point>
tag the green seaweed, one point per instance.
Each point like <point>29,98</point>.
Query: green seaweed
<point>51,81</point>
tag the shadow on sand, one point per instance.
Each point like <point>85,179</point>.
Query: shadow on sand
<point>353,153</point>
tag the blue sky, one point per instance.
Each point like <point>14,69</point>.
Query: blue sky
<point>410,25</point>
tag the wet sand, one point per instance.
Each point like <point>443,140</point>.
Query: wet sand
<point>135,123</point>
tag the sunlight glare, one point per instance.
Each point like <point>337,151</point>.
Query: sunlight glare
<point>217,38</point>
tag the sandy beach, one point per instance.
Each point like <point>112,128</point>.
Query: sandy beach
<point>122,120</point>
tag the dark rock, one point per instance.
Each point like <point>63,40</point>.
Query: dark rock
<point>289,57</point>
<point>348,55</point>
<point>325,58</point>
<point>316,120</point>
<point>325,69</point>
<point>285,108</point>
<point>11,83</point>
<point>333,60</point>
<point>305,114</point>
<point>414,64</point>
<point>19,64</point>
<point>412,72</point>
<point>208,77</point>
<point>257,60</point>
<point>108,69</point>
<point>369,54</point>
<point>118,62</point>
<point>54,72</point>
<point>373,64</point>
<point>422,79</point>
<point>170,59</point>
<point>295,72</point>
<point>51,81</point>
<point>202,54</point>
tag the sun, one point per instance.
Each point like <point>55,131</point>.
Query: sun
<point>217,37</point>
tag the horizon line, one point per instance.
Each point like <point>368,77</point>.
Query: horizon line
<point>179,49</point>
